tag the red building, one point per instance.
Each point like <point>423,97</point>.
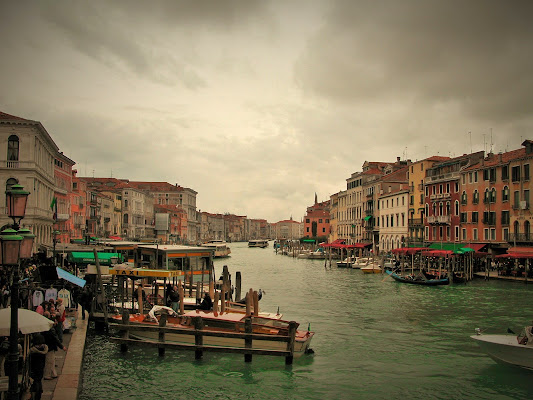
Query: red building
<point>442,198</point>
<point>61,204</point>
<point>316,220</point>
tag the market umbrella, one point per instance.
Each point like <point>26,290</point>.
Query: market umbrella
<point>29,322</point>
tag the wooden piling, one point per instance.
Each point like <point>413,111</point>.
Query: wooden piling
<point>256,303</point>
<point>198,337</point>
<point>215,304</point>
<point>126,332</point>
<point>248,339</point>
<point>290,344</point>
<point>237,285</point>
<point>162,324</point>
<point>181,295</point>
<point>248,304</point>
<point>198,292</point>
<point>140,298</point>
<point>212,289</point>
<point>222,299</point>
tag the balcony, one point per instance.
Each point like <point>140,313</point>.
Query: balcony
<point>443,177</point>
<point>369,212</point>
<point>520,238</point>
<point>416,222</point>
<point>440,219</point>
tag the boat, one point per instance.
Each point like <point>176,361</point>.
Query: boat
<point>508,348</point>
<point>258,243</point>
<point>418,279</point>
<point>361,262</point>
<point>221,248</point>
<point>346,263</point>
<point>318,254</point>
<point>372,269</point>
<point>218,322</point>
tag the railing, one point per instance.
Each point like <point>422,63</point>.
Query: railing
<point>448,176</point>
<point>416,222</point>
<point>440,219</point>
<point>520,237</point>
<point>26,165</point>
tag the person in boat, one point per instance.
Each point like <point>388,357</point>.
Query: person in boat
<point>207,303</point>
<point>174,298</point>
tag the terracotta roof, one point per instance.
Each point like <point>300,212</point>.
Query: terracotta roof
<point>156,186</point>
<point>494,159</point>
<point>397,176</point>
<point>394,192</point>
<point>372,171</point>
<point>436,158</point>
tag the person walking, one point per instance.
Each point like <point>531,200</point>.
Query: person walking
<point>38,352</point>
<point>53,343</point>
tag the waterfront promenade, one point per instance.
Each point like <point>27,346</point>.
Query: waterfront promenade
<point>68,364</point>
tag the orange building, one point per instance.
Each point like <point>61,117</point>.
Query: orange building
<point>62,197</point>
<point>316,220</point>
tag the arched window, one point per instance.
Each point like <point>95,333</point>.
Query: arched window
<point>493,195</point>
<point>125,218</point>
<point>456,207</point>
<point>10,182</point>
<point>526,230</point>
<point>434,209</point>
<point>464,198</point>
<point>505,193</point>
<point>486,196</point>
<point>447,208</point>
<point>475,199</point>
<point>516,228</point>
<point>13,148</point>
<point>440,209</point>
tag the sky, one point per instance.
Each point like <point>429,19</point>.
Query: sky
<point>257,105</point>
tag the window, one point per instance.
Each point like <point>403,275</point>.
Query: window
<point>464,234</point>
<point>13,148</point>
<point>412,200</point>
<point>10,182</point>
<point>505,173</point>
<point>516,199</point>
<point>447,188</point>
<point>475,217</point>
<point>526,198</point>
<point>307,220</point>
<point>505,193</point>
<point>486,196</point>
<point>493,195</point>
<point>469,178</point>
<point>475,176</point>
<point>464,198</point>
<point>320,220</point>
<point>307,229</point>
<point>463,217</point>
<point>492,234</point>
<point>125,218</point>
<point>526,172</point>
<point>515,174</point>
<point>506,234</point>
<point>485,234</point>
<point>327,221</point>
<point>456,207</point>
<point>485,174</point>
<point>475,199</point>
<point>323,230</point>
<point>492,174</point>
<point>505,218</point>
<point>474,234</point>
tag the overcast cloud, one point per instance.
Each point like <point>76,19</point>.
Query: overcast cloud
<point>257,105</point>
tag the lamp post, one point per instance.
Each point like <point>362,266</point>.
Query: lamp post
<point>15,245</point>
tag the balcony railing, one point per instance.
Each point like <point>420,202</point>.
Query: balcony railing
<point>520,237</point>
<point>440,219</point>
<point>416,222</point>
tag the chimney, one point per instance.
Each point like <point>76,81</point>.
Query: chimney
<point>397,159</point>
<point>500,157</point>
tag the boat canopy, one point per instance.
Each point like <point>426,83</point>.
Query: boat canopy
<point>80,257</point>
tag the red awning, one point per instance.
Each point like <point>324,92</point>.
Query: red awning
<point>407,250</point>
<point>520,249</point>
<point>515,255</point>
<point>437,253</point>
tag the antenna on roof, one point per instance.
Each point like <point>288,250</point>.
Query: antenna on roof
<point>491,143</point>
<point>470,133</point>
<point>484,143</point>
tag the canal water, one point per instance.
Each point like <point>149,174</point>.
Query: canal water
<point>375,339</point>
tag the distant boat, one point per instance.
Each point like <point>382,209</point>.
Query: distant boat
<point>318,254</point>
<point>258,243</point>
<point>418,280</point>
<point>221,248</point>
<point>509,348</point>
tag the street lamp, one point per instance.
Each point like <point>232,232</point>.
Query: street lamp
<point>12,245</point>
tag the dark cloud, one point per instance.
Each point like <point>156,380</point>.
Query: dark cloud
<point>477,53</point>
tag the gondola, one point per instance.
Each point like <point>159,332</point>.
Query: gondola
<point>418,280</point>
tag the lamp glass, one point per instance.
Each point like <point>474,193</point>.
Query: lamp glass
<point>17,199</point>
<point>27,243</point>
<point>10,246</point>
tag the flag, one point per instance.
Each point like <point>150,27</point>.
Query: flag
<point>53,206</point>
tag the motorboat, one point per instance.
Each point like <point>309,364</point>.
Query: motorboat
<point>372,268</point>
<point>258,243</point>
<point>508,348</point>
<point>361,262</point>
<point>318,254</point>
<point>227,322</point>
<point>346,263</point>
<point>221,249</point>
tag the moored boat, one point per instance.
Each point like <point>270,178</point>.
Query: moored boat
<point>219,322</point>
<point>372,269</point>
<point>346,263</point>
<point>509,348</point>
<point>418,279</point>
<point>221,249</point>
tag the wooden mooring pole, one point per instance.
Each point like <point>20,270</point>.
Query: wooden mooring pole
<point>237,285</point>
<point>290,344</point>
<point>126,332</point>
<point>248,340</point>
<point>162,324</point>
<point>198,337</point>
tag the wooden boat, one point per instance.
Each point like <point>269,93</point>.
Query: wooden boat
<point>222,323</point>
<point>361,262</point>
<point>509,348</point>
<point>372,269</point>
<point>258,243</point>
<point>418,279</point>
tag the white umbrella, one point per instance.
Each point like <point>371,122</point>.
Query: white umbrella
<point>29,322</point>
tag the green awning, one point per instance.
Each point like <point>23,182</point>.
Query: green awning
<point>81,257</point>
<point>447,246</point>
<point>367,217</point>
<point>309,241</point>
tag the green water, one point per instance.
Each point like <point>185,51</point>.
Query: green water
<point>375,339</point>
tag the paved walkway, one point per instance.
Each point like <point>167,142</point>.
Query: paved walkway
<point>68,364</point>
